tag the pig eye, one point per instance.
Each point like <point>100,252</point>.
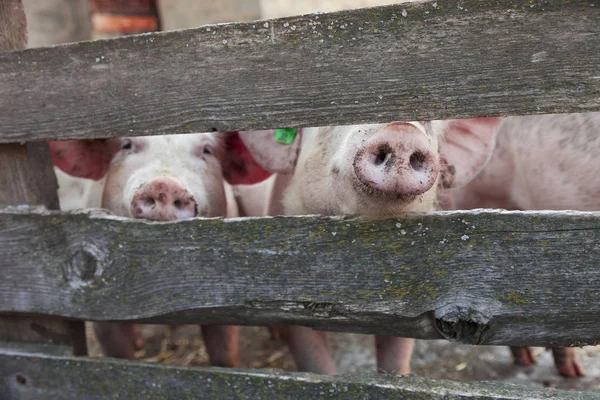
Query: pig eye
<point>126,145</point>
<point>207,150</point>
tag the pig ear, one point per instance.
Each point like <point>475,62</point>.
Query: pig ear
<point>239,167</point>
<point>83,158</point>
<point>465,148</point>
<point>253,156</point>
<point>270,154</point>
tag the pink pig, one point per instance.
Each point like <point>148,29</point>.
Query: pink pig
<point>547,162</point>
<point>370,170</point>
<point>163,178</point>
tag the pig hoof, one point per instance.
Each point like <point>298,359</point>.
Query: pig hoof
<point>523,356</point>
<point>134,333</point>
<point>139,342</point>
<point>402,371</point>
<point>280,332</point>
<point>566,362</point>
<point>275,333</point>
<point>119,340</point>
<point>571,370</point>
<point>225,361</point>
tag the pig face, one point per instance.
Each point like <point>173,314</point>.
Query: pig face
<point>166,177</point>
<point>375,170</point>
<point>159,177</point>
<point>364,170</point>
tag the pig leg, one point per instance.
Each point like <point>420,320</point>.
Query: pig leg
<point>394,354</point>
<point>523,355</point>
<point>275,332</point>
<point>222,344</point>
<point>566,362</point>
<point>119,340</point>
<point>309,349</point>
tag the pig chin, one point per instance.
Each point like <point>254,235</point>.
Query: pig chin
<point>373,202</point>
<point>370,194</point>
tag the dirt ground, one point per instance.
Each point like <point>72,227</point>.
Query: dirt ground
<point>354,354</point>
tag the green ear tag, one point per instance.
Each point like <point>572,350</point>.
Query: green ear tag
<point>285,135</point>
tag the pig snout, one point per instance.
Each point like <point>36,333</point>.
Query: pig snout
<point>398,160</point>
<point>163,199</point>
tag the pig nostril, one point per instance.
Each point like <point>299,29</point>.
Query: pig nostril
<point>149,202</point>
<point>384,153</point>
<point>380,158</point>
<point>177,204</point>
<point>417,161</point>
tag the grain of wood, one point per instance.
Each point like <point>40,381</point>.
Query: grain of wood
<point>461,58</point>
<point>31,376</point>
<point>501,278</point>
<point>27,178</point>
<point>13,29</point>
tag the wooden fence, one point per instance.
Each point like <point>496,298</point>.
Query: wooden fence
<point>519,278</point>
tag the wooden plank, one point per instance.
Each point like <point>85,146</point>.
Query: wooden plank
<point>27,178</point>
<point>456,58</point>
<point>500,278</point>
<point>13,29</point>
<point>24,178</point>
<point>27,376</point>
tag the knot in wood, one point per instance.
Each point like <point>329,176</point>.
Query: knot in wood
<point>85,262</point>
<point>462,324</point>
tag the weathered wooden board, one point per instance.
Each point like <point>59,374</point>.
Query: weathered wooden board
<point>30,376</point>
<point>510,278</point>
<point>13,29</point>
<point>455,58</point>
<point>26,175</point>
<point>27,178</point>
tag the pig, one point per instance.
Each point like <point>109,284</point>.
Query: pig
<point>376,170</point>
<point>77,193</point>
<point>161,178</point>
<point>546,162</point>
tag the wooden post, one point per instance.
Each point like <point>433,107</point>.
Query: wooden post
<point>27,177</point>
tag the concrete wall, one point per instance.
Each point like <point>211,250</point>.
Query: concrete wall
<point>285,8</point>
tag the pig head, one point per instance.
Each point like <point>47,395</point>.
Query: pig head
<point>162,178</point>
<point>374,170</point>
